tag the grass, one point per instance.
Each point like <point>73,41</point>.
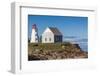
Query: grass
<point>49,46</point>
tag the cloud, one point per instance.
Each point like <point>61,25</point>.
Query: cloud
<point>71,37</point>
<point>75,39</point>
<point>82,40</point>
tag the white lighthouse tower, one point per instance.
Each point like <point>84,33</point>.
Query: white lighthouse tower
<point>34,34</point>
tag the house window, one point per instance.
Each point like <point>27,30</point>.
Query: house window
<point>56,38</point>
<point>49,39</point>
<point>45,39</point>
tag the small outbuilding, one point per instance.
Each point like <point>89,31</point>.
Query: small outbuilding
<point>52,35</point>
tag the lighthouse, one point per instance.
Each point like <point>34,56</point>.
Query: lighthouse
<point>34,34</point>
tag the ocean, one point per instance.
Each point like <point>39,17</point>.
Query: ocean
<point>83,46</point>
<point>83,42</point>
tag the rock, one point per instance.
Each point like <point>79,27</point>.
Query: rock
<point>68,51</point>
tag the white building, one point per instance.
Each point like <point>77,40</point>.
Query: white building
<point>51,35</point>
<point>34,34</point>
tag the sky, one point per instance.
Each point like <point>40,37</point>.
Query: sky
<point>73,28</point>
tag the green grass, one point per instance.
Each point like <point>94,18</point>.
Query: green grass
<point>48,46</point>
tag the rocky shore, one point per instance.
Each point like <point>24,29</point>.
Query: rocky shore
<point>66,51</point>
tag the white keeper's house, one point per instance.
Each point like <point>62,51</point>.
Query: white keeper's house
<point>52,35</point>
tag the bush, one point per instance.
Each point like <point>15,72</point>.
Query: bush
<point>66,44</point>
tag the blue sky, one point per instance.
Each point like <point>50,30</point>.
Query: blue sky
<point>70,26</point>
<point>73,28</point>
